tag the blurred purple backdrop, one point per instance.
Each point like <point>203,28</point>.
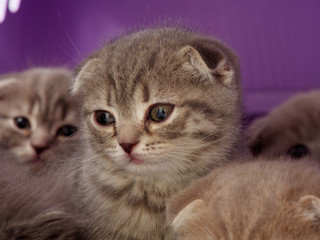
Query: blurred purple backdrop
<point>278,41</point>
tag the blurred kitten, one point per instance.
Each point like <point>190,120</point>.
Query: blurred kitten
<point>293,129</point>
<point>38,125</point>
<point>259,200</point>
<point>38,118</point>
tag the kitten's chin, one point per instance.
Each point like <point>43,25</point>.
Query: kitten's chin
<point>143,167</point>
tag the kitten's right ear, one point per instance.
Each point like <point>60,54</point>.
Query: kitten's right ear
<point>189,212</point>
<point>258,136</point>
<point>83,74</point>
<point>5,85</point>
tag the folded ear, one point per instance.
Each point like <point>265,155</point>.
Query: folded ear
<point>83,75</point>
<point>6,84</point>
<point>310,206</point>
<point>208,62</point>
<point>189,212</point>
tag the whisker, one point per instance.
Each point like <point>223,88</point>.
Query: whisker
<point>72,42</point>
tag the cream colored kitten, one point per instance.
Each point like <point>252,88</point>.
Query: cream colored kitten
<point>38,118</point>
<point>278,200</point>
<point>293,129</point>
<point>161,108</point>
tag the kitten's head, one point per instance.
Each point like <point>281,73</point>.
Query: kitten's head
<point>160,102</point>
<point>38,118</point>
<point>291,129</point>
<point>265,201</point>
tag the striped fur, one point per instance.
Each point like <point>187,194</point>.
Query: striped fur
<point>129,75</point>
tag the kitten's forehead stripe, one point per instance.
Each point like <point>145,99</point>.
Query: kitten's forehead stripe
<point>146,92</point>
<point>137,79</point>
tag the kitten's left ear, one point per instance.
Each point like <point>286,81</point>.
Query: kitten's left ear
<point>310,206</point>
<point>208,62</point>
<point>189,212</point>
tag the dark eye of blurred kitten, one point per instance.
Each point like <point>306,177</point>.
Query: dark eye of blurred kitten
<point>104,118</point>
<point>22,122</point>
<point>160,112</point>
<point>298,151</point>
<point>67,130</point>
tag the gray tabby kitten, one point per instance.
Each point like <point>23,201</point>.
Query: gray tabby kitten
<point>38,118</point>
<point>278,200</point>
<point>161,108</point>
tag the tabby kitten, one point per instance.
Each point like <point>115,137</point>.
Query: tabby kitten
<point>291,129</point>
<point>161,108</point>
<point>262,200</point>
<point>38,118</point>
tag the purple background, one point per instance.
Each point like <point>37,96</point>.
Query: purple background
<point>278,41</point>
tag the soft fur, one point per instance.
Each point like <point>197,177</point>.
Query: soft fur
<point>263,200</point>
<point>291,129</point>
<point>32,184</point>
<point>134,165</point>
<point>40,96</point>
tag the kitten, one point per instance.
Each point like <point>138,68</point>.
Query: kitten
<point>161,108</point>
<point>291,129</point>
<point>255,200</point>
<point>38,118</point>
<point>38,125</point>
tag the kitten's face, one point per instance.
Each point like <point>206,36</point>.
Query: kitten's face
<point>38,119</point>
<point>151,106</point>
<point>292,129</point>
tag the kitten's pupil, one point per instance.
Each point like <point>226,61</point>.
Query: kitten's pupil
<point>104,118</point>
<point>298,151</point>
<point>160,112</point>
<point>67,130</point>
<point>22,122</point>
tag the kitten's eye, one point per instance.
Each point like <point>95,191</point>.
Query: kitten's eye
<point>298,151</point>
<point>22,122</point>
<point>104,118</point>
<point>160,112</point>
<point>67,130</point>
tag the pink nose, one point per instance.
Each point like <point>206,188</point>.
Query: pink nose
<point>128,146</point>
<point>40,148</point>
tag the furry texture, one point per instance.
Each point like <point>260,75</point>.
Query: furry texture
<point>161,108</point>
<point>38,122</point>
<point>263,200</point>
<point>38,118</point>
<point>293,129</point>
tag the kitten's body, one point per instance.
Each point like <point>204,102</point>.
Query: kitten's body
<point>134,164</point>
<point>263,200</point>
<point>293,128</point>
<point>38,118</point>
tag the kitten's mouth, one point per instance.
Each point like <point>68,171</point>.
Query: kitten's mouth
<point>136,161</point>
